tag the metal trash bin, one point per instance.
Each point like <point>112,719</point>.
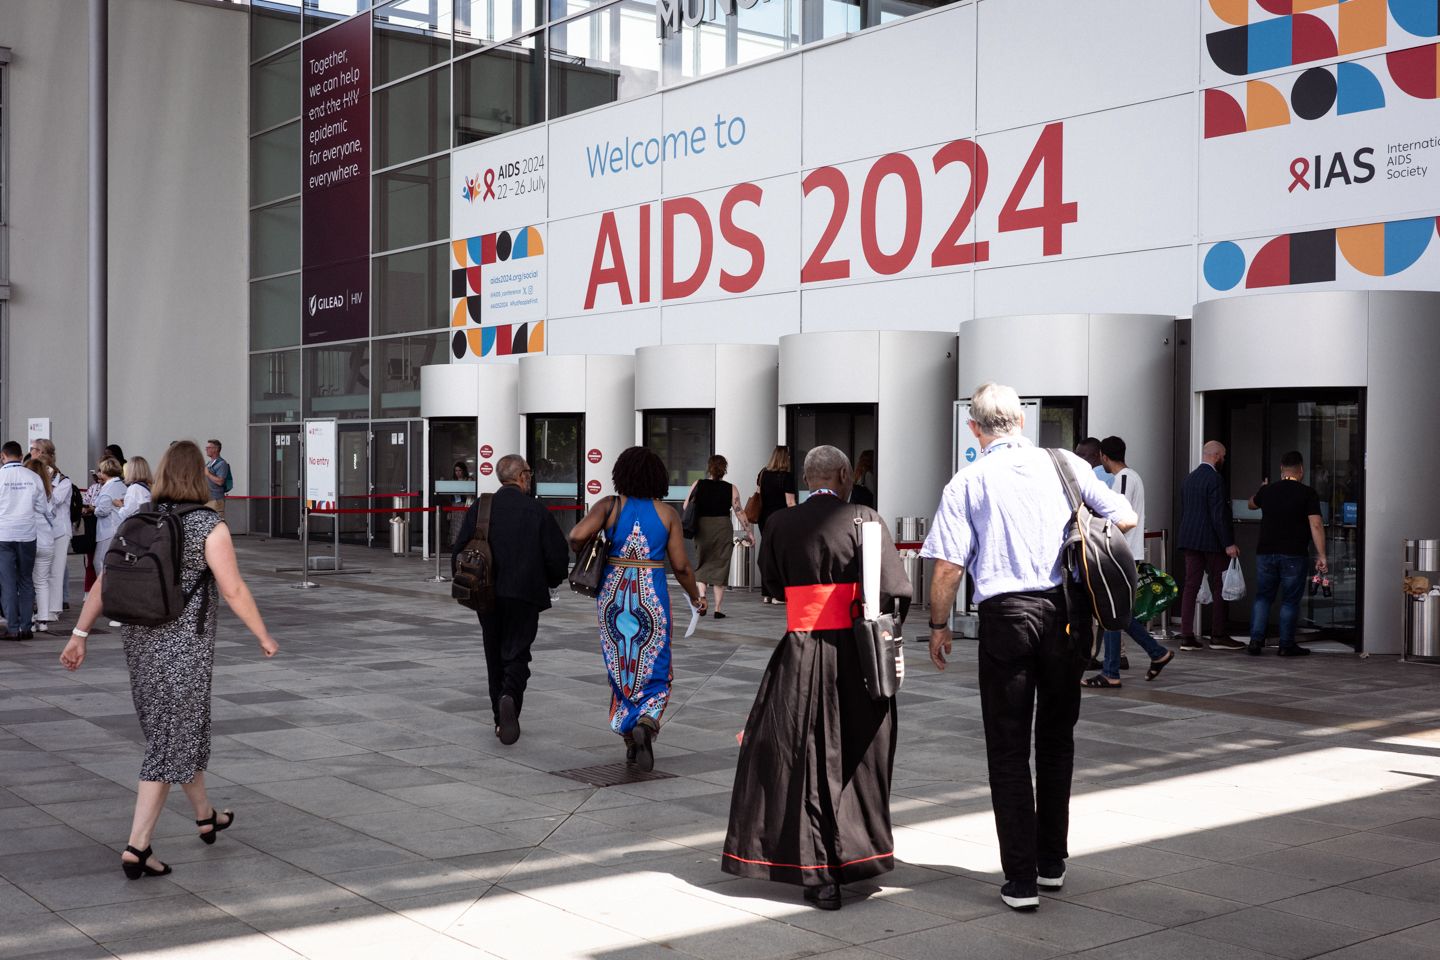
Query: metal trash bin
<point>1422,612</point>
<point>915,569</point>
<point>399,529</point>
<point>742,566</point>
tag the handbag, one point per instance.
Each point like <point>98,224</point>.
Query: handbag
<point>690,516</point>
<point>755,503</point>
<point>589,568</point>
<point>878,639</point>
<point>473,582</point>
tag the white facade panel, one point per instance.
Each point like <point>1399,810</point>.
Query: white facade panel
<point>939,302</point>
<point>1080,57</point>
<point>605,159</point>
<point>741,320</point>
<point>1130,282</point>
<point>609,333</point>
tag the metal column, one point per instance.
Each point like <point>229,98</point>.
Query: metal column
<point>99,224</point>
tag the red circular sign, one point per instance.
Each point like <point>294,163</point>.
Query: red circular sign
<point>486,452</point>
<point>486,469</point>
<point>594,455</point>
<point>593,487</point>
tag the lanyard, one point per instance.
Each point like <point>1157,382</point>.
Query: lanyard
<point>1002,444</point>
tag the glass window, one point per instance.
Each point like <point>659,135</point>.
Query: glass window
<point>410,35</point>
<point>275,239</point>
<point>273,24</point>
<point>412,204</point>
<point>478,22</point>
<point>830,18</point>
<point>684,440</point>
<point>275,386</point>
<point>275,164</point>
<point>560,9</point>
<point>412,119</point>
<point>898,9</point>
<point>257,514</point>
<point>275,312</point>
<point>275,90</point>
<point>411,290</point>
<point>397,382</point>
<point>320,14</point>
<point>768,28</point>
<point>608,56</point>
<point>337,380</point>
<point>500,90</point>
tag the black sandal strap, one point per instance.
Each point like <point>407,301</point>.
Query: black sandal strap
<point>142,854</point>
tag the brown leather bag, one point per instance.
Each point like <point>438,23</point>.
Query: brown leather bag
<point>752,506</point>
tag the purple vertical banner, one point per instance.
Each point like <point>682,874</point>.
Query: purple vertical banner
<point>335,187</point>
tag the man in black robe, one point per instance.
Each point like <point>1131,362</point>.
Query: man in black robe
<point>811,803</point>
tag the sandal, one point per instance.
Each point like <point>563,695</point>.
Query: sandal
<point>644,752</point>
<point>141,867</point>
<point>215,826</point>
<point>1157,665</point>
<point>1099,681</point>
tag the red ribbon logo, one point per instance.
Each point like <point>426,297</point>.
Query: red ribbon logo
<point>1299,170</point>
<point>490,185</point>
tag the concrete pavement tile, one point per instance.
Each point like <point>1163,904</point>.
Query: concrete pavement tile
<point>1421,828</point>
<point>956,898</point>
<point>1303,862</point>
<point>46,936</point>
<point>1420,883</point>
<point>1244,884</point>
<point>291,901</point>
<point>121,921</point>
<point>1364,911</point>
<point>16,903</point>
<point>962,940</point>
<point>1172,945</point>
<point>1396,851</point>
<point>215,940</point>
<point>1065,927</point>
<point>243,869</point>
<point>42,839</point>
<point>515,927</point>
<point>1158,903</point>
<point>1139,861</point>
<point>1218,845</point>
<point>1277,933</point>
<point>298,744</point>
<point>436,911</point>
<point>1392,947</point>
<point>331,797</point>
<point>340,857</point>
<point>407,881</point>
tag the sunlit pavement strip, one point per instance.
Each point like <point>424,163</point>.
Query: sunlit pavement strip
<point>1236,808</point>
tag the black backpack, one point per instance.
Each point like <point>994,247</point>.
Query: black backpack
<point>143,566</point>
<point>1096,558</point>
<point>473,582</point>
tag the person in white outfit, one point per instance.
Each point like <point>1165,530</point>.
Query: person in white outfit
<point>107,508</point>
<point>44,547</point>
<point>22,497</point>
<point>61,488</point>
<point>137,487</point>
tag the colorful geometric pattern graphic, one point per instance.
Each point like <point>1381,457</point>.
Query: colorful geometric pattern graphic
<point>1303,31</point>
<point>1342,89</point>
<point>1373,249</point>
<point>468,259</point>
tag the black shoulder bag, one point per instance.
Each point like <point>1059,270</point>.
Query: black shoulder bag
<point>1095,557</point>
<point>878,638</point>
<point>589,567</point>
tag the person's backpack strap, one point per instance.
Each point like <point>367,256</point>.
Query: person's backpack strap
<point>482,517</point>
<point>1067,479</point>
<point>178,511</point>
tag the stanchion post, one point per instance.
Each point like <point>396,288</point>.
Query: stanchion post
<point>439,577</point>
<point>305,582</point>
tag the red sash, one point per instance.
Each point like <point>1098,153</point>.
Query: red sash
<point>820,606</point>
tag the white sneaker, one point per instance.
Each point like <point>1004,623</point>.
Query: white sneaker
<point>116,624</point>
<point>42,626</point>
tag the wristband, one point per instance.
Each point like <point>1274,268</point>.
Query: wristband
<point>77,632</point>
<point>940,626</point>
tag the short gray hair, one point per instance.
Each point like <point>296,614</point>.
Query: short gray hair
<point>510,467</point>
<point>996,410</point>
<point>825,463</point>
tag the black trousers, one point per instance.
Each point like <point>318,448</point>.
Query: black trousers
<point>1030,669</point>
<point>509,632</point>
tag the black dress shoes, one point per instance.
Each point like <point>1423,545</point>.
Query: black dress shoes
<point>826,897</point>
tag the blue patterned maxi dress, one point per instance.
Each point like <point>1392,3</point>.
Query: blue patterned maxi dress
<point>634,611</point>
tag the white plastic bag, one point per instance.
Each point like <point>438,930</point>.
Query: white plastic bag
<point>1204,596</point>
<point>1232,584</point>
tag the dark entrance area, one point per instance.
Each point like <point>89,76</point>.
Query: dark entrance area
<point>850,427</point>
<point>1327,427</point>
<point>554,444</point>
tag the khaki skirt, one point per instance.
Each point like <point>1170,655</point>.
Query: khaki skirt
<point>714,543</point>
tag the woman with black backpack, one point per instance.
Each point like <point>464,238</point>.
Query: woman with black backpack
<point>171,664</point>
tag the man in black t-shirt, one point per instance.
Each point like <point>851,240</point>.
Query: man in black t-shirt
<point>1289,524</point>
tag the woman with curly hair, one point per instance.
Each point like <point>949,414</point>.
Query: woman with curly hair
<point>634,601</point>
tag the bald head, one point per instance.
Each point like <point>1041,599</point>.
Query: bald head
<point>512,469</point>
<point>1213,453</point>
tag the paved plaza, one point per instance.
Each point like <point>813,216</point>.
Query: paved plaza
<point>1236,808</point>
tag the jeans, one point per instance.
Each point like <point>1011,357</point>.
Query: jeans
<point>1276,570</point>
<point>17,586</point>
<point>509,632</point>
<point>1138,633</point>
<point>1196,564</point>
<point>1030,669</point>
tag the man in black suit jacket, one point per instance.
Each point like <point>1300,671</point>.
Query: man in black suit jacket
<point>1206,540</point>
<point>530,557</point>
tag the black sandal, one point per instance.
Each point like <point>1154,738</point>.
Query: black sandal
<point>140,868</point>
<point>644,753</point>
<point>1157,665</point>
<point>1099,681</point>
<point>215,827</point>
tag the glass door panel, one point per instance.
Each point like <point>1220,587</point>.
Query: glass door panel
<point>454,452</point>
<point>684,440</point>
<point>554,445</point>
<point>286,464</point>
<point>354,455</point>
<point>848,427</point>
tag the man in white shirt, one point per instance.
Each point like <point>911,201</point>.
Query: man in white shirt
<point>1128,484</point>
<point>22,505</point>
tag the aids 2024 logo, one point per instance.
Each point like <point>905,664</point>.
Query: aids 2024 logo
<point>513,178</point>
